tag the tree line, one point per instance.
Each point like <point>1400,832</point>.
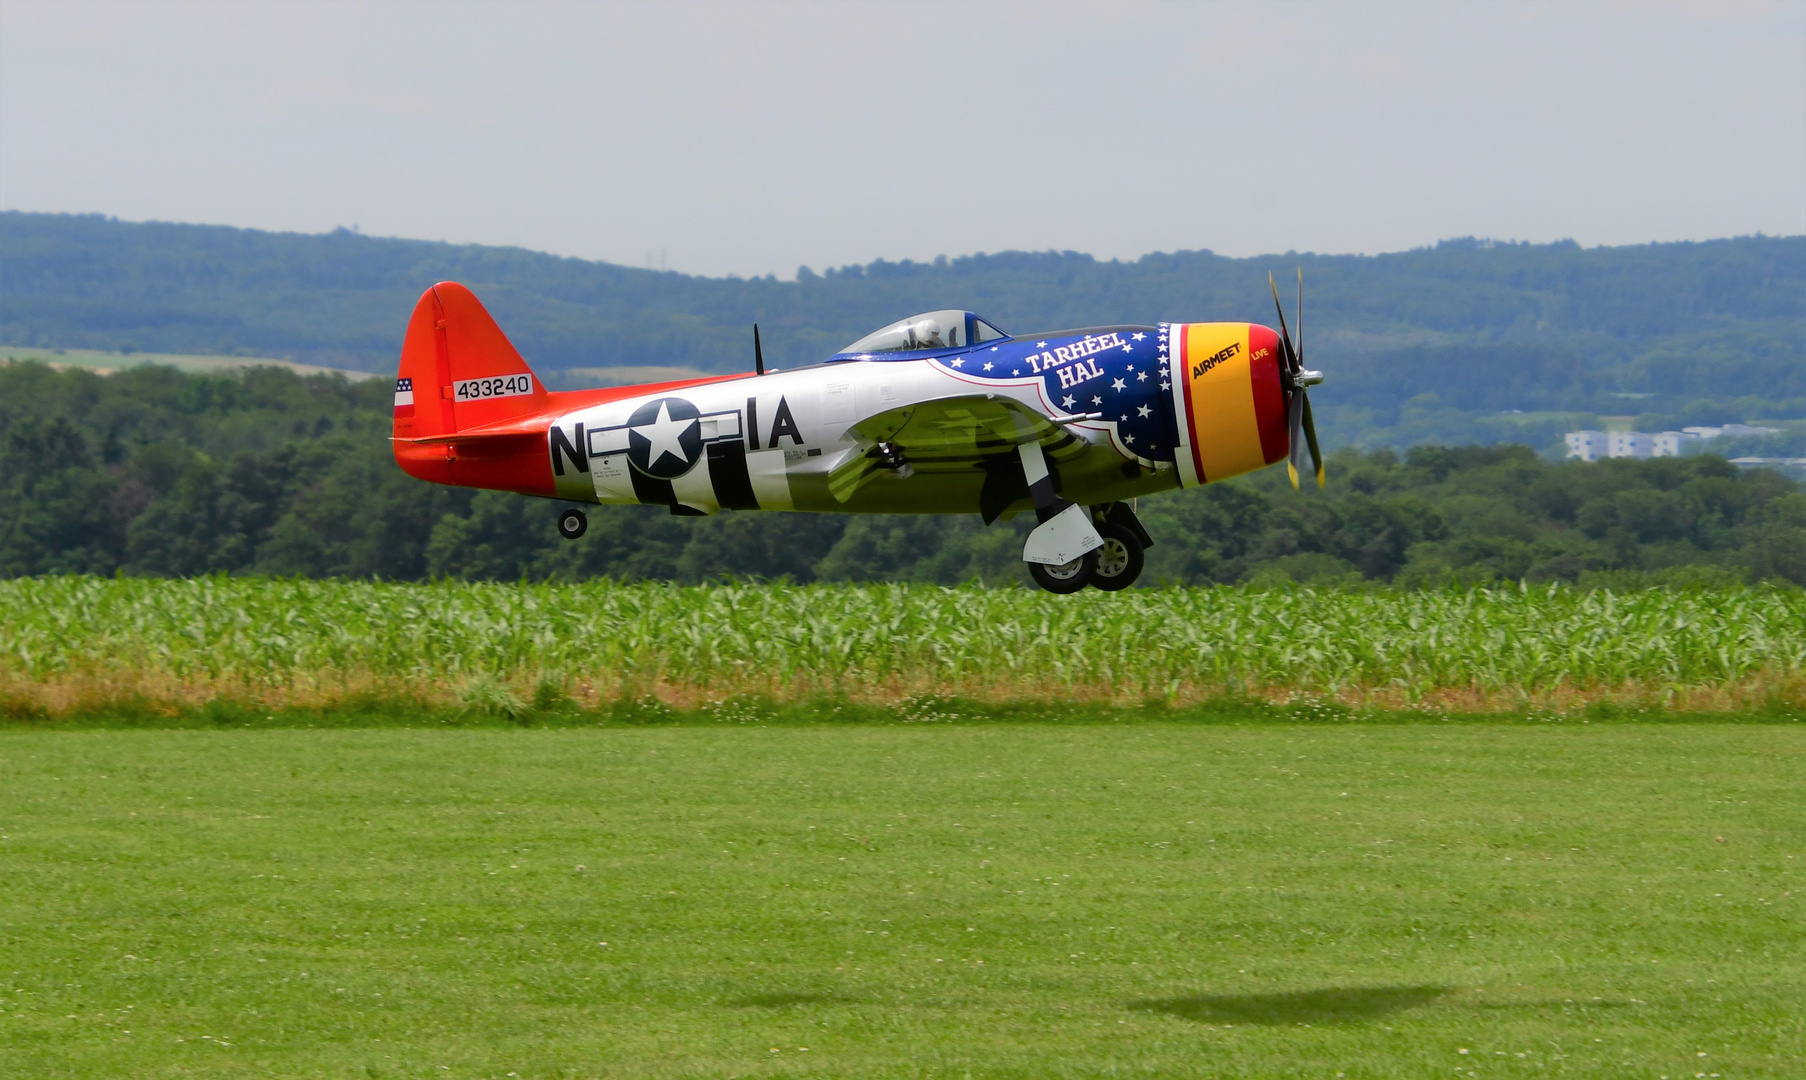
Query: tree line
<point>151,471</point>
<point>1465,341</point>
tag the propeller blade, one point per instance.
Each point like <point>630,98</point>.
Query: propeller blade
<point>1301,430</point>
<point>1310,435</point>
<point>758,353</point>
<point>1285,336</point>
<point>1300,316</point>
<point>1295,436</point>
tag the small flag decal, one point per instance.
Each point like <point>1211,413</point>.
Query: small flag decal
<point>404,398</point>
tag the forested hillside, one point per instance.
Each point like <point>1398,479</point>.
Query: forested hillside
<point>1469,341</point>
<point>151,471</point>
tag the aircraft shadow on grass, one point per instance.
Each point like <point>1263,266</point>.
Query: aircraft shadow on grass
<point>1338,1005</point>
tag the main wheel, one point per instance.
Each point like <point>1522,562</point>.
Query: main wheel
<point>1119,560</point>
<point>572,524</point>
<point>1067,577</point>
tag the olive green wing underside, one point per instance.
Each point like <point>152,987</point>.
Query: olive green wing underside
<point>954,434</point>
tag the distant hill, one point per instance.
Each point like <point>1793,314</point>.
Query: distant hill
<point>1469,341</point>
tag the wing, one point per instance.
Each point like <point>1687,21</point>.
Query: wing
<point>948,435</point>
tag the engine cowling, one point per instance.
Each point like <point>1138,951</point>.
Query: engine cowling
<point>1227,398</point>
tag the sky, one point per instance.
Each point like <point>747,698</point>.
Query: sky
<point>751,138</point>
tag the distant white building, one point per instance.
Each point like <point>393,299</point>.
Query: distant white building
<point>1729,430</point>
<point>1630,444</point>
<point>1593,445</point>
<point>1586,445</point>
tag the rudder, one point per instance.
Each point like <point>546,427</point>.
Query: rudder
<point>458,371</point>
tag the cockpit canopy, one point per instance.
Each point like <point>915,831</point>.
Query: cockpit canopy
<point>919,333</point>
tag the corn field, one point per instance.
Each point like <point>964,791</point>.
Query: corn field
<point>73,642</point>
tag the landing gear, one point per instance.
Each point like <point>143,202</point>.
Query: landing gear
<point>1061,552</point>
<point>1109,536</point>
<point>1067,577</point>
<point>1119,560</point>
<point>572,524</point>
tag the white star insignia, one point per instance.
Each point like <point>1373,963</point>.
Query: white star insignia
<point>1144,411</point>
<point>1118,385</point>
<point>993,348</point>
<point>1015,371</point>
<point>1141,376</point>
<point>1128,348</point>
<point>1097,401</point>
<point>959,361</point>
<point>1166,386</point>
<point>1136,337</point>
<point>1066,402</point>
<point>1124,416</point>
<point>1040,344</point>
<point>665,435</point>
<point>1130,439</point>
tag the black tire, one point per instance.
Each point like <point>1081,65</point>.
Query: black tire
<point>1119,561</point>
<point>572,524</point>
<point>1067,578</point>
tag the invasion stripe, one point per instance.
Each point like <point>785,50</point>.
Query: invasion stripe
<point>650,490</point>
<point>727,471</point>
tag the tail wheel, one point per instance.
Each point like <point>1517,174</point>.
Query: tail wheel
<point>572,524</point>
<point>1067,577</point>
<point>1119,560</point>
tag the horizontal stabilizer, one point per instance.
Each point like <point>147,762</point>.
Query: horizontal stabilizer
<point>510,429</point>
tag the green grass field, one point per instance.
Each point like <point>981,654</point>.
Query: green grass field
<point>949,900</point>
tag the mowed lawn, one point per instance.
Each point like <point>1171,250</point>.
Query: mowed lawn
<point>1002,900</point>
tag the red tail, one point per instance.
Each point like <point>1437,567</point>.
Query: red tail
<point>458,371</point>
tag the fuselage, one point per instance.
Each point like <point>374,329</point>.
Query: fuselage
<point>1139,409</point>
<point>769,441</point>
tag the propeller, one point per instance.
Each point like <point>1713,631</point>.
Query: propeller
<point>1294,378</point>
<point>759,356</point>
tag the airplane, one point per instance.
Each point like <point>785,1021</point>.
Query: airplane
<point>938,413</point>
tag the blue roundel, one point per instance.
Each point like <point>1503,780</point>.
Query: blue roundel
<point>664,438</point>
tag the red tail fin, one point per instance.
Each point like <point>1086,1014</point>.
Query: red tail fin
<point>458,371</point>
<point>460,368</point>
